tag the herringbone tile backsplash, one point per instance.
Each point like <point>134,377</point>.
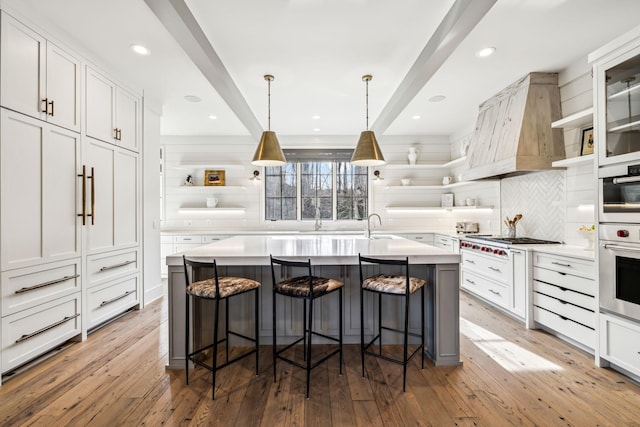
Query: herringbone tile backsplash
<point>539,197</point>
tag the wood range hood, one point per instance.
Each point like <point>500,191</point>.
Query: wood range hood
<point>513,133</point>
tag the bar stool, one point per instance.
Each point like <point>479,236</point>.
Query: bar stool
<point>308,288</point>
<point>217,288</point>
<point>395,285</point>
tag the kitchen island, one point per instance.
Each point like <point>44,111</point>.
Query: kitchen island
<point>331,256</point>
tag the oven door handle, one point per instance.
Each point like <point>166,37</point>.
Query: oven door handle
<point>621,248</point>
<point>626,179</point>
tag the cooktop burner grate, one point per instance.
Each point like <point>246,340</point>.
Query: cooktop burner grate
<point>516,240</point>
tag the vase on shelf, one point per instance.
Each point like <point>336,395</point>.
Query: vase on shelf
<point>413,155</point>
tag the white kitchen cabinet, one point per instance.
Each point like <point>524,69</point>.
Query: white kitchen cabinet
<point>446,242</point>
<point>426,238</point>
<point>563,297</point>
<point>620,342</point>
<point>112,113</point>
<point>37,77</point>
<point>488,277</point>
<point>39,192</point>
<point>112,197</point>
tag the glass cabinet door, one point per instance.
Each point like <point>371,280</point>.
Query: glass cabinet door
<point>622,83</point>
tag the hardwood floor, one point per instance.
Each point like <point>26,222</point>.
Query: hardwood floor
<point>511,376</point>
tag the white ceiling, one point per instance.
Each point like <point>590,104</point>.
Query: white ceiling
<point>319,49</point>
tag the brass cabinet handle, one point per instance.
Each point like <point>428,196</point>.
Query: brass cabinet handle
<point>115,133</point>
<point>46,104</point>
<point>46,328</point>
<point>494,269</point>
<point>84,195</point>
<point>494,292</point>
<point>52,107</point>
<point>93,196</point>
<point>122,264</point>
<point>560,264</point>
<point>470,261</point>
<point>42,285</point>
<point>103,303</point>
<point>470,281</point>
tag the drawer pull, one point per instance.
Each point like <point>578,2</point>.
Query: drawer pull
<point>494,269</point>
<point>560,264</point>
<point>562,289</point>
<point>561,273</point>
<point>103,303</point>
<point>562,317</point>
<point>46,328</point>
<point>562,302</point>
<point>494,292</point>
<point>470,261</point>
<point>122,264</point>
<point>470,281</point>
<point>45,284</point>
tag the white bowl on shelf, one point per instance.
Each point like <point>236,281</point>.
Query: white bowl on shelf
<point>406,181</point>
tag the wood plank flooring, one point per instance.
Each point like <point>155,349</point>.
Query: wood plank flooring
<point>511,376</point>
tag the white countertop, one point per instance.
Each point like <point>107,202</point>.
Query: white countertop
<point>322,249</point>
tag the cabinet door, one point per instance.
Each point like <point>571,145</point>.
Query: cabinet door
<point>63,88</point>
<point>22,58</point>
<point>39,192</point>
<point>100,105</point>
<point>520,278</point>
<point>101,157</point>
<point>127,107</point>
<point>125,204</point>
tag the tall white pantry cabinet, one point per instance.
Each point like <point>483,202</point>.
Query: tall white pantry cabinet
<point>70,183</point>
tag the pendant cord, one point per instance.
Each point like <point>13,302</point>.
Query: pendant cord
<point>367,101</point>
<point>269,104</point>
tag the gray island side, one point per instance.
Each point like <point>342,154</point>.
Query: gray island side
<point>332,256</point>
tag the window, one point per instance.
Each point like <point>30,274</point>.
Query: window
<point>316,183</point>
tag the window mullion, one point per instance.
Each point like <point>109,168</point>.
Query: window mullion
<point>299,192</point>
<point>334,191</point>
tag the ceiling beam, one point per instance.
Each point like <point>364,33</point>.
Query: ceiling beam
<point>183,27</point>
<point>463,16</point>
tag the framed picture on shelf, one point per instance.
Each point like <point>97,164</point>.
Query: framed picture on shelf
<point>214,177</point>
<point>586,146</point>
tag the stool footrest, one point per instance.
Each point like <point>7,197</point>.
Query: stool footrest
<point>391,359</point>
<point>293,362</point>
<point>235,359</point>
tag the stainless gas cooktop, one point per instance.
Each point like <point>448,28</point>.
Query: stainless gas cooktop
<point>508,241</point>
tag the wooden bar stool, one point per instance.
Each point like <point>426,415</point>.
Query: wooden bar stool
<point>217,288</point>
<point>308,288</point>
<point>395,285</point>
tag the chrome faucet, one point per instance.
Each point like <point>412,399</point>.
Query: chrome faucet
<point>318,220</point>
<point>368,233</point>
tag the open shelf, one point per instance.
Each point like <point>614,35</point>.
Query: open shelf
<point>427,187</point>
<point>575,120</point>
<point>196,165</point>
<point>418,209</point>
<point>203,210</point>
<point>574,161</point>
<point>205,188</point>
<point>449,164</point>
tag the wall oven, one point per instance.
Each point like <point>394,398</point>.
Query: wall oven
<point>619,193</point>
<point>620,269</point>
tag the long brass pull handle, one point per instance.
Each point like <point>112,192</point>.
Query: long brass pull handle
<point>45,284</point>
<point>103,303</point>
<point>119,134</point>
<point>560,264</point>
<point>621,248</point>
<point>46,108</point>
<point>115,133</point>
<point>52,107</point>
<point>122,264</point>
<point>93,197</point>
<point>46,328</point>
<point>84,195</point>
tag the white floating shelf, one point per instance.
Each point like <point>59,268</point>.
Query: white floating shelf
<point>449,164</point>
<point>575,120</point>
<point>434,208</point>
<point>194,165</point>
<point>210,210</point>
<point>205,188</point>
<point>427,187</point>
<point>574,161</point>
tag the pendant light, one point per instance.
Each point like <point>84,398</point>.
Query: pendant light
<point>269,152</point>
<point>367,152</point>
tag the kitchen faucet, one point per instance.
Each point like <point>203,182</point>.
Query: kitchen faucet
<point>368,233</point>
<point>318,219</point>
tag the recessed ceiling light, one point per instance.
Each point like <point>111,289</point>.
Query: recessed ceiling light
<point>487,51</point>
<point>316,129</point>
<point>212,117</point>
<point>192,98</point>
<point>416,117</point>
<point>139,49</point>
<point>437,98</point>
<point>316,117</point>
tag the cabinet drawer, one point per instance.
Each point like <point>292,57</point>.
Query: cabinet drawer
<point>422,238</point>
<point>496,269</point>
<point>492,291</point>
<point>32,332</point>
<point>211,239</point>
<point>575,331</point>
<point>28,287</point>
<point>110,299</point>
<point>564,280</point>
<point>188,239</point>
<point>620,342</point>
<point>578,267</point>
<point>108,266</point>
<point>566,295</point>
<point>564,309</point>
